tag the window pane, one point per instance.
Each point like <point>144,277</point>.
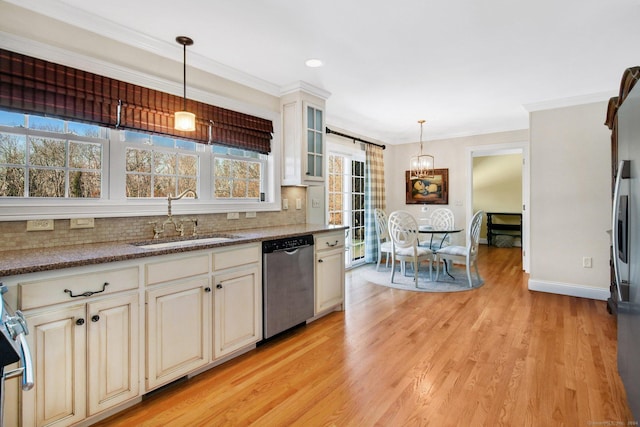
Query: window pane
<point>239,188</point>
<point>163,141</point>
<point>318,126</point>
<point>83,129</point>
<point>223,188</point>
<point>47,152</point>
<point>11,182</point>
<point>187,165</point>
<point>46,123</point>
<point>163,185</point>
<point>138,160</point>
<point>253,170</point>
<point>253,189</point>
<point>138,185</point>
<point>310,118</point>
<point>185,184</point>
<point>84,184</point>
<point>85,156</point>
<point>11,119</point>
<point>186,145</point>
<point>13,149</point>
<point>46,183</point>
<point>164,163</point>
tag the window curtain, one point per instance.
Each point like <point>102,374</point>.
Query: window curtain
<point>32,85</point>
<point>374,198</point>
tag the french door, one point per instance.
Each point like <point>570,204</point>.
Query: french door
<point>346,201</point>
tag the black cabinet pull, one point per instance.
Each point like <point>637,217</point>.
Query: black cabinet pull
<point>95,318</point>
<point>218,286</point>
<point>207,289</point>
<point>80,322</point>
<point>320,260</point>
<point>87,293</point>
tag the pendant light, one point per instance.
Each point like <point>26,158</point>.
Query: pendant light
<point>184,120</point>
<point>421,165</point>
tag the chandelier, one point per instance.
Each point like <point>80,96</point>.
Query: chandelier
<point>421,165</point>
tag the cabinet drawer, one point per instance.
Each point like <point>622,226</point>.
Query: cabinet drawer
<point>329,241</point>
<point>59,289</point>
<point>236,257</point>
<point>172,269</point>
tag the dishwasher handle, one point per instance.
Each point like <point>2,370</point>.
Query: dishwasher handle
<point>292,251</point>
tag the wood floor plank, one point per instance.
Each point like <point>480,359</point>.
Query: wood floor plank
<point>499,355</point>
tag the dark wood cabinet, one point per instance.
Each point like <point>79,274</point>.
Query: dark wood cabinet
<point>629,79</point>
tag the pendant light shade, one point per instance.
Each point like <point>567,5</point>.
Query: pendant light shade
<point>184,120</point>
<point>421,165</point>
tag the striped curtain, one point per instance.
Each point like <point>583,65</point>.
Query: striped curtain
<point>374,198</point>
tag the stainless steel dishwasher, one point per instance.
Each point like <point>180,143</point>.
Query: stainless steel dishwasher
<point>287,281</point>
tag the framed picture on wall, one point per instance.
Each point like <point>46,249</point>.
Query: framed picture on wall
<point>428,191</point>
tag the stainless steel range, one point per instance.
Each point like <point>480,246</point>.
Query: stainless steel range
<point>13,348</point>
<point>287,279</point>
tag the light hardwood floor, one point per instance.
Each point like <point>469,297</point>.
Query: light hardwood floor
<point>498,355</point>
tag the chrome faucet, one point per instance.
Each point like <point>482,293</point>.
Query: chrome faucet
<point>178,225</point>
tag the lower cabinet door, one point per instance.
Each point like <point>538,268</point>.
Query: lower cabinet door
<point>178,332</point>
<point>238,310</point>
<point>57,340</point>
<point>113,352</point>
<point>329,279</point>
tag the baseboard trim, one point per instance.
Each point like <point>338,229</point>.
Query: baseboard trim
<point>569,289</point>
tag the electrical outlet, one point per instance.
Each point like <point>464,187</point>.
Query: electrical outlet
<point>298,203</point>
<point>315,203</point>
<point>40,225</point>
<point>250,215</point>
<point>233,215</point>
<point>285,204</point>
<point>81,223</point>
<point>587,262</point>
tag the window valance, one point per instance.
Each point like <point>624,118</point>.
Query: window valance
<point>33,85</point>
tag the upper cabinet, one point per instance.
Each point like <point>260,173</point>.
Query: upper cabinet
<point>303,124</point>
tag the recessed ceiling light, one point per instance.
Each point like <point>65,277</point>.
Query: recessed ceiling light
<point>313,63</point>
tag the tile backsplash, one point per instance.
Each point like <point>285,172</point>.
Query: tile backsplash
<point>15,236</point>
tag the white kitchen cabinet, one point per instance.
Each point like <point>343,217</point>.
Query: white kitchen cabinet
<point>330,270</point>
<point>238,299</point>
<point>57,339</point>
<point>304,145</point>
<point>85,354</point>
<point>178,318</point>
<point>112,351</point>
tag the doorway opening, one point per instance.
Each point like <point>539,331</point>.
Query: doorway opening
<point>493,165</point>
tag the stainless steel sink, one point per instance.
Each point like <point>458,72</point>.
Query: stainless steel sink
<point>203,240</point>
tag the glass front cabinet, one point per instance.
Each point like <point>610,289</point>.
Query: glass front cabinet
<point>303,123</point>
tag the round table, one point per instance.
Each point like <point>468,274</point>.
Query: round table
<point>427,229</point>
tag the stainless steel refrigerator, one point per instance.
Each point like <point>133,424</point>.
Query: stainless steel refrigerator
<point>626,246</point>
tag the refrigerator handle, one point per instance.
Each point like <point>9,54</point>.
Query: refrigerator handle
<point>614,227</point>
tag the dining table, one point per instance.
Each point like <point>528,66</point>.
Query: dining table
<point>428,229</point>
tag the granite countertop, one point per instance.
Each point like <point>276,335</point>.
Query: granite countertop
<point>33,260</point>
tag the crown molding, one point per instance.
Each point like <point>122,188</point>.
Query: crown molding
<point>305,87</point>
<point>114,31</point>
<point>569,101</point>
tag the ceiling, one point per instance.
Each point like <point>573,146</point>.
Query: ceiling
<point>466,66</point>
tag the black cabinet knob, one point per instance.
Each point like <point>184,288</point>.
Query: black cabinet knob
<point>218,286</point>
<point>95,318</point>
<point>207,289</point>
<point>80,322</point>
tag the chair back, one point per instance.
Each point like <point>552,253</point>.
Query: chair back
<point>473,234</point>
<point>381,225</point>
<point>442,219</point>
<point>403,229</point>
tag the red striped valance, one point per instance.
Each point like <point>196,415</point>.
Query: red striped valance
<point>33,85</point>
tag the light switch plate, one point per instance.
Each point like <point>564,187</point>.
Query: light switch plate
<point>298,203</point>
<point>233,215</point>
<point>250,215</point>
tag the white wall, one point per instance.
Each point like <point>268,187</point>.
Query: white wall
<point>570,200</point>
<point>449,154</point>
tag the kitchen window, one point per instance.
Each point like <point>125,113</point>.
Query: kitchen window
<point>56,161</point>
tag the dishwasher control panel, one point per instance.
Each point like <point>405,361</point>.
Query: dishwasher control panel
<point>287,243</point>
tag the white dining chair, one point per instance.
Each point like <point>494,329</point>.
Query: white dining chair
<point>403,229</point>
<point>468,253</point>
<point>382,234</point>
